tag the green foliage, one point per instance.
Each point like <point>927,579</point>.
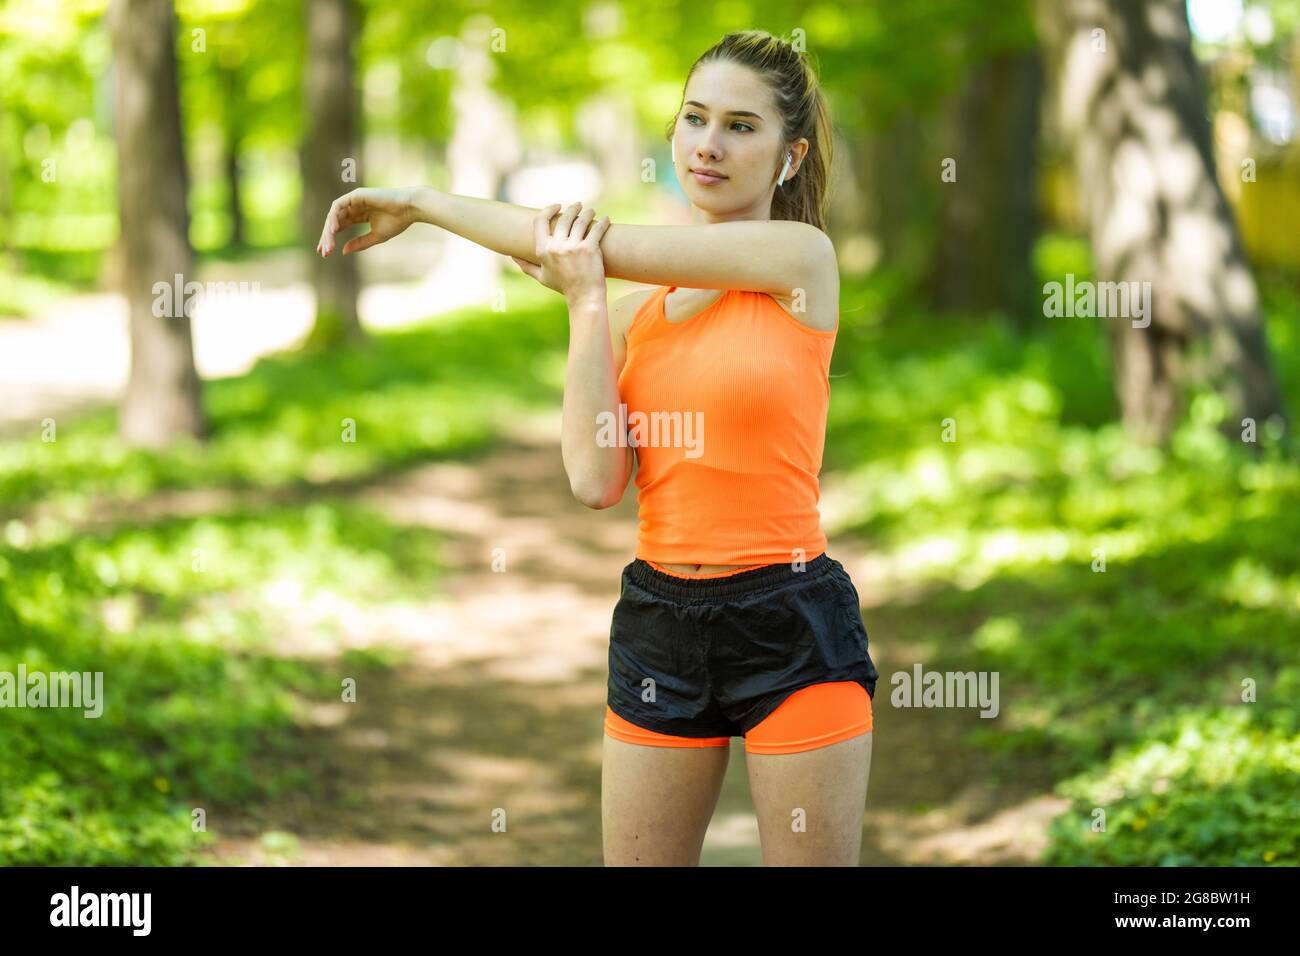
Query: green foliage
<point>417,394</point>
<point>240,68</point>
<point>1208,787</point>
<point>216,634</point>
<point>201,701</point>
<point>1126,686</point>
<point>1126,683</point>
<point>56,172</point>
<point>22,294</point>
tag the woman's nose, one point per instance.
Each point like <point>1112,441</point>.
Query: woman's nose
<point>708,148</point>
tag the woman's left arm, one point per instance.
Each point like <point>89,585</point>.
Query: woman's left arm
<point>754,255</point>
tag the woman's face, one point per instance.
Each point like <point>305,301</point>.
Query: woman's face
<point>728,123</point>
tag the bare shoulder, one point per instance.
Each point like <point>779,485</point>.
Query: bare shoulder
<point>818,304</point>
<point>621,313</point>
<point>626,306</point>
<point>623,309</point>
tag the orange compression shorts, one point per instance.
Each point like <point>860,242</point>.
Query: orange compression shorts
<point>811,717</point>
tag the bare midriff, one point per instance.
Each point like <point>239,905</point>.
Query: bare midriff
<point>705,568</point>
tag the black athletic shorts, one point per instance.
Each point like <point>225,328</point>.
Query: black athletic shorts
<point>713,657</point>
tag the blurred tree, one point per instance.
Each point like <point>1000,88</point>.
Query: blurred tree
<point>1132,103</point>
<point>242,102</point>
<point>913,85</point>
<point>484,146</point>
<point>7,125</point>
<point>983,245</point>
<point>330,161</point>
<point>232,130</point>
<point>901,193</point>
<point>50,58</point>
<point>161,400</point>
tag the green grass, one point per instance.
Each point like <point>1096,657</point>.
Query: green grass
<point>200,710</point>
<point>28,287</point>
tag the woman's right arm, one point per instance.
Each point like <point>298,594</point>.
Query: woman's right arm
<point>499,226</point>
<point>759,255</point>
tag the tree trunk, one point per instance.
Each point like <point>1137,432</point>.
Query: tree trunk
<point>1133,105</point>
<point>887,164</point>
<point>233,136</point>
<point>984,244</point>
<point>232,183</point>
<point>10,257</point>
<point>330,143</point>
<point>162,398</point>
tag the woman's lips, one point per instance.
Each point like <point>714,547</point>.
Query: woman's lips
<point>706,180</point>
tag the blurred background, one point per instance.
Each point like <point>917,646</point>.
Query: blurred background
<point>310,520</point>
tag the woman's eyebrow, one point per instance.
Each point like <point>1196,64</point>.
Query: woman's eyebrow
<point>728,113</point>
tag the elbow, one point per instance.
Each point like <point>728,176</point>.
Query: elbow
<point>821,252</point>
<point>600,491</point>
<point>595,497</point>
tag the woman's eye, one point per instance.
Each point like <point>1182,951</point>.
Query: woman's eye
<point>748,128</point>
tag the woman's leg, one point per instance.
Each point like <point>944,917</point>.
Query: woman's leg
<point>656,802</point>
<point>810,804</point>
<point>809,762</point>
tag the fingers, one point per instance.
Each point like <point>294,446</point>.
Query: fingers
<point>326,245</point>
<point>542,227</point>
<point>574,223</point>
<point>331,228</point>
<point>579,228</point>
<point>323,247</point>
<point>360,242</point>
<point>566,220</point>
<point>528,267</point>
<point>598,231</point>
<point>350,211</point>
<point>341,215</point>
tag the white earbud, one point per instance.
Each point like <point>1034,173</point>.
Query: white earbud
<point>674,142</point>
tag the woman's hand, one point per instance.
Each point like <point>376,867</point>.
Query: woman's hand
<point>389,212</point>
<point>569,255</point>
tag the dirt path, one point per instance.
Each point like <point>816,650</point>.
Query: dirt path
<point>497,714</point>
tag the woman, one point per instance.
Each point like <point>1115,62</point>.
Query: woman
<point>732,618</point>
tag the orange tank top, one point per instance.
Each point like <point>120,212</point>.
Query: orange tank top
<point>727,413</point>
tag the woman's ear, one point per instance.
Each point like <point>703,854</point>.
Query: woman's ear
<point>798,149</point>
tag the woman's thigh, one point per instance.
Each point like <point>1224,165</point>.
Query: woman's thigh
<point>810,804</point>
<point>656,802</point>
